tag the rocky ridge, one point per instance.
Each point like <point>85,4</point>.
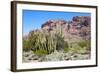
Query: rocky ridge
<point>78,27</point>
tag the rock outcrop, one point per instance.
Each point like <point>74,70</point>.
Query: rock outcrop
<point>78,26</point>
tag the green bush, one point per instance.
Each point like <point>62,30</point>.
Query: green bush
<point>66,46</point>
<point>26,45</point>
<point>40,52</point>
<point>82,44</point>
<point>75,48</point>
<point>85,43</point>
<point>80,47</point>
<point>82,50</point>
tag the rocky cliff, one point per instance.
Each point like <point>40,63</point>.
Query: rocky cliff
<point>78,26</point>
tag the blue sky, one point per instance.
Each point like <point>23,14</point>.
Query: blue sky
<point>33,19</point>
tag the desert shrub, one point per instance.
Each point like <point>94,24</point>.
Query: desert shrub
<point>80,47</point>
<point>40,52</point>
<point>26,45</point>
<point>66,49</point>
<point>82,50</point>
<point>75,48</point>
<point>88,44</point>
<point>84,43</point>
<point>66,46</point>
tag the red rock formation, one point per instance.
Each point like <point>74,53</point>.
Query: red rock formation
<point>74,27</point>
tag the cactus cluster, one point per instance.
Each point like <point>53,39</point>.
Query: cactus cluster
<point>42,43</point>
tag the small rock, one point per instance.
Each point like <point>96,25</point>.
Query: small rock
<point>30,59</point>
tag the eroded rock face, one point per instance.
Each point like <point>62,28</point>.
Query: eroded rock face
<point>79,26</point>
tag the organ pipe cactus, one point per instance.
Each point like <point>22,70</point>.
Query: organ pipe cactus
<point>46,41</point>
